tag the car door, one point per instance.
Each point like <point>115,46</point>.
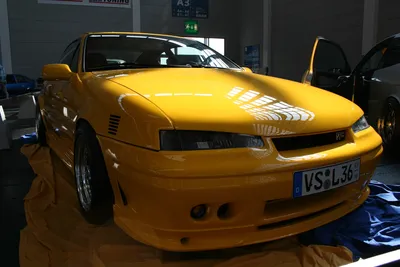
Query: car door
<point>366,85</point>
<point>61,97</point>
<point>12,86</point>
<point>24,83</point>
<point>329,68</point>
<point>69,102</point>
<point>54,103</point>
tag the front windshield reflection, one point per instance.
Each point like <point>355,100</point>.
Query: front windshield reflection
<point>111,51</point>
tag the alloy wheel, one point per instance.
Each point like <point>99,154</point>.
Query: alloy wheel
<point>83,177</point>
<point>389,124</point>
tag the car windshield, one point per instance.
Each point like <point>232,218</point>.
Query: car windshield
<point>106,52</point>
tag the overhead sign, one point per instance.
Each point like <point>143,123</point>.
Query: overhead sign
<point>190,8</point>
<point>103,3</point>
<point>191,27</point>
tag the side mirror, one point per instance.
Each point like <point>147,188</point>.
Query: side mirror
<point>246,69</point>
<point>56,72</point>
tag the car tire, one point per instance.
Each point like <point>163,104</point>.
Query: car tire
<point>389,131</point>
<point>93,187</point>
<point>40,129</point>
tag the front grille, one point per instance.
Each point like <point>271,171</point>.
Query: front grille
<point>308,141</point>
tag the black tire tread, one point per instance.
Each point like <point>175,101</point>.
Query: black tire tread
<point>102,194</point>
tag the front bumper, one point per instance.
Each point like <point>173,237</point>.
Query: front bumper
<point>155,192</point>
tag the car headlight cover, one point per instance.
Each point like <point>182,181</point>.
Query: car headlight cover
<point>172,140</point>
<point>360,125</point>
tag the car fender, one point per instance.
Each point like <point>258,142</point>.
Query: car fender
<point>117,112</point>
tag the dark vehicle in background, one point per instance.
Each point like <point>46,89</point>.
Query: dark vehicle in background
<point>19,84</point>
<point>374,84</point>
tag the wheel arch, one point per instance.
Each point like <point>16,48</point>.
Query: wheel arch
<point>80,121</point>
<point>118,194</point>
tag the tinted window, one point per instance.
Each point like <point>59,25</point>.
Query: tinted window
<point>74,63</point>
<point>330,58</point>
<point>68,54</point>
<point>373,59</point>
<point>119,51</point>
<point>392,55</point>
<point>373,62</point>
<point>10,79</point>
<point>22,79</point>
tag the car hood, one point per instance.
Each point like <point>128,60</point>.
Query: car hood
<point>236,101</point>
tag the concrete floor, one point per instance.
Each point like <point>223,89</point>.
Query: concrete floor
<point>16,177</point>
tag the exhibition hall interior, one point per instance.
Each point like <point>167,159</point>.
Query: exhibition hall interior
<point>199,133</point>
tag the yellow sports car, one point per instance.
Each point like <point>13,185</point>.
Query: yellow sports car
<point>188,151</point>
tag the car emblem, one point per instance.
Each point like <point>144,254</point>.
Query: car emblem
<point>339,136</point>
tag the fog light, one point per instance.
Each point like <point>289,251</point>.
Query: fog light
<point>199,211</point>
<point>223,211</point>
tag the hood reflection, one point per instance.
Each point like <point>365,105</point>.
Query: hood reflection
<point>264,107</point>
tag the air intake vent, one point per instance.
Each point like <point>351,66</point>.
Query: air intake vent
<point>302,142</point>
<point>113,124</point>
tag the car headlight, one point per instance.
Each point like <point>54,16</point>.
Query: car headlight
<point>360,125</point>
<point>172,140</point>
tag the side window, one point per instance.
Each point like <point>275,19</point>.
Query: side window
<point>22,79</point>
<point>373,62</point>
<point>74,61</point>
<point>330,58</point>
<point>69,53</point>
<point>10,79</point>
<point>392,55</point>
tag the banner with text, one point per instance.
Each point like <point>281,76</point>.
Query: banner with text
<point>103,3</point>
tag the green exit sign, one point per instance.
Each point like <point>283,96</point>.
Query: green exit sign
<point>191,26</point>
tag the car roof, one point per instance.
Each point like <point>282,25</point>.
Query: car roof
<point>394,36</point>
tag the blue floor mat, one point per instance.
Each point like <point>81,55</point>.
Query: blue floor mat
<point>372,229</point>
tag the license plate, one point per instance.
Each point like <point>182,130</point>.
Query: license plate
<point>314,181</point>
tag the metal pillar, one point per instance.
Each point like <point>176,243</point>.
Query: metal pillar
<point>136,16</point>
<point>370,25</point>
<point>5,37</point>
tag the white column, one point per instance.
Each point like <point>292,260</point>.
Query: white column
<point>266,47</point>
<point>136,15</point>
<point>5,37</point>
<point>370,25</point>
